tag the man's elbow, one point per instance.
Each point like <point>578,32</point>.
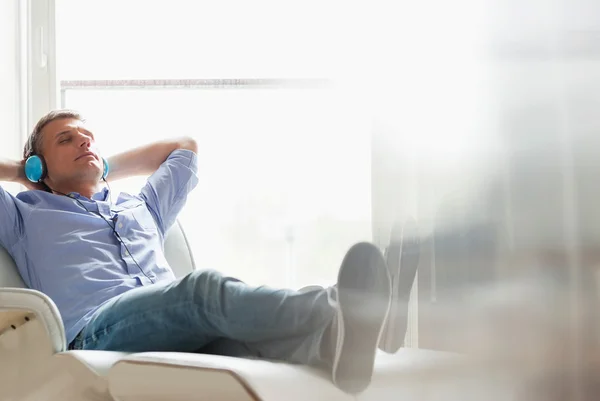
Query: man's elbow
<point>188,143</point>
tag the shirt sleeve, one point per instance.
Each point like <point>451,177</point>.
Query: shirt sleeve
<point>167,189</point>
<point>11,222</point>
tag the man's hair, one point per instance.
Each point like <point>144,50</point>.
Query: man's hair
<point>34,142</point>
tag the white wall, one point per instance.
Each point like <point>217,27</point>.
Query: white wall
<point>10,138</point>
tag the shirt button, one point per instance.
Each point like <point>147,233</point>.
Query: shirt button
<point>120,225</point>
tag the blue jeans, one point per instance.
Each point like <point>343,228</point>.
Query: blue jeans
<point>209,313</point>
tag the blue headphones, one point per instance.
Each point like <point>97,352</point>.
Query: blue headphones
<point>35,168</point>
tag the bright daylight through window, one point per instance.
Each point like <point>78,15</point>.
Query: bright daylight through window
<point>285,157</point>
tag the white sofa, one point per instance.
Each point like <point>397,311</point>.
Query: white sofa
<point>36,365</point>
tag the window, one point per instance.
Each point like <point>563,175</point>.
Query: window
<point>281,98</point>
<point>285,160</point>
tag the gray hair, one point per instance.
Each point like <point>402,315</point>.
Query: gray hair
<point>34,141</point>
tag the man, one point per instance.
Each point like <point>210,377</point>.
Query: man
<point>102,263</point>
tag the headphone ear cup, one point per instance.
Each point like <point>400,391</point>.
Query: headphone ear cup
<point>106,168</point>
<point>35,168</point>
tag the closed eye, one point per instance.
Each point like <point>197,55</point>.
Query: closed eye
<point>88,133</point>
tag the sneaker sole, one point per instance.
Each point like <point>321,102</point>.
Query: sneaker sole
<point>364,293</point>
<point>402,260</point>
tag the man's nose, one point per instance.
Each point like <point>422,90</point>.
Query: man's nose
<point>84,141</point>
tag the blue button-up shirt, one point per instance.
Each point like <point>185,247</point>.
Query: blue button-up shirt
<point>75,258</point>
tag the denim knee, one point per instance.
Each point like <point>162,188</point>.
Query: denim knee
<point>206,277</point>
<point>206,283</point>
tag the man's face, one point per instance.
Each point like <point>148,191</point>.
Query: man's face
<point>69,150</point>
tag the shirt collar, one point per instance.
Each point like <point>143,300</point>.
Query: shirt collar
<point>102,195</point>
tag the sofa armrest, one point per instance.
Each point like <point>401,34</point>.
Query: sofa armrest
<point>19,306</point>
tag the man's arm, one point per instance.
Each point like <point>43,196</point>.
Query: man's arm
<point>146,159</point>
<point>10,218</point>
<point>12,171</point>
<point>167,189</point>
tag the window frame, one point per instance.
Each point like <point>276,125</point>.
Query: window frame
<point>43,92</point>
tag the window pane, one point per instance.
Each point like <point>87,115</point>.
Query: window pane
<point>114,39</point>
<point>285,174</point>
